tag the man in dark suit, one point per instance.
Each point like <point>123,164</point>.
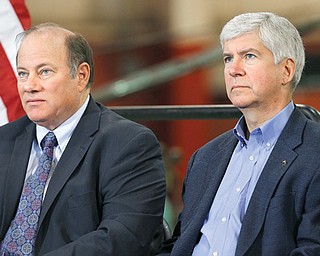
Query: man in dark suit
<point>104,186</point>
<point>255,190</point>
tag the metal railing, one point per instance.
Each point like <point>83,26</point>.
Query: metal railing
<point>180,112</point>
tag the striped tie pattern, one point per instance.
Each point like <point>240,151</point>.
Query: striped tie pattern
<point>21,235</point>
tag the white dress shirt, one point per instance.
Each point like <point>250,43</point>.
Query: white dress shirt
<point>63,134</point>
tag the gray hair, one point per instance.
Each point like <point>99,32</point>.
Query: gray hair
<point>78,49</point>
<point>276,33</point>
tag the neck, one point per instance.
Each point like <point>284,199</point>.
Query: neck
<point>257,117</point>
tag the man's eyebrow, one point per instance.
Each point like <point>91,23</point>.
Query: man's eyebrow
<point>248,50</point>
<point>242,52</point>
<point>226,54</point>
<point>37,67</point>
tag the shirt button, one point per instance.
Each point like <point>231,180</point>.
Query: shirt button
<point>251,158</point>
<point>224,219</point>
<point>268,144</point>
<point>215,254</point>
<point>238,189</point>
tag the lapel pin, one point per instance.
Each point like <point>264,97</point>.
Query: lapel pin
<point>283,162</point>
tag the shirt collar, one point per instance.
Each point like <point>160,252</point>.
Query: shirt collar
<point>270,130</point>
<point>64,131</point>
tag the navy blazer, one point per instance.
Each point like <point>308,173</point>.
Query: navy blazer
<point>106,195</point>
<point>283,216</point>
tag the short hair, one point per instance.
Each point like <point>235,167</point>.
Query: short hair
<point>276,33</point>
<point>78,49</point>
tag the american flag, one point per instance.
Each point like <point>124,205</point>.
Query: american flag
<point>14,18</point>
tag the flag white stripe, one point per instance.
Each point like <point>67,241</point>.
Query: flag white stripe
<point>3,113</point>
<point>10,26</point>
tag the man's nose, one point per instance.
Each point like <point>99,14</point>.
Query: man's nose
<point>235,68</point>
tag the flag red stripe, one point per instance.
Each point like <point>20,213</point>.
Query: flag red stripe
<point>8,85</point>
<point>22,12</point>
<point>8,80</point>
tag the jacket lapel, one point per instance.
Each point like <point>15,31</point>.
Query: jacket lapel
<point>216,158</point>
<point>217,163</point>
<point>16,173</point>
<point>278,163</point>
<point>74,152</point>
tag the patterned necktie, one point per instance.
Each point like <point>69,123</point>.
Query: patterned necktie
<point>21,235</point>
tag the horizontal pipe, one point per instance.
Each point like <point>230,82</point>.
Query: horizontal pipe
<point>181,112</point>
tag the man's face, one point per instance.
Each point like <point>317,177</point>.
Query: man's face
<point>251,77</point>
<point>49,95</point>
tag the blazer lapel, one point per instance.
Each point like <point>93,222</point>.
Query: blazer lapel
<point>74,152</point>
<point>16,173</point>
<point>216,158</point>
<point>278,163</point>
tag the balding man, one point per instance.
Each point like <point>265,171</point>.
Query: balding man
<point>75,178</point>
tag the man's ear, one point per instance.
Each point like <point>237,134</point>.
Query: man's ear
<point>83,75</point>
<point>289,68</point>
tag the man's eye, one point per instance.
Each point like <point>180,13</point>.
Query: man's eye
<point>45,72</point>
<point>22,74</point>
<point>250,56</point>
<point>227,59</point>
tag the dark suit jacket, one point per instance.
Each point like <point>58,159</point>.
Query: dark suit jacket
<point>283,216</point>
<point>106,195</point>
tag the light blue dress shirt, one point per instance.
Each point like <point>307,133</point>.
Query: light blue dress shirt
<point>221,229</point>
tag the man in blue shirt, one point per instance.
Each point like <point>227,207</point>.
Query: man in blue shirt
<point>255,190</point>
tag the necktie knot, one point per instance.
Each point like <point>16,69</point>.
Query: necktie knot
<point>49,141</point>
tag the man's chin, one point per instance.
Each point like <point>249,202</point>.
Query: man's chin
<point>240,105</point>
<point>37,120</point>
